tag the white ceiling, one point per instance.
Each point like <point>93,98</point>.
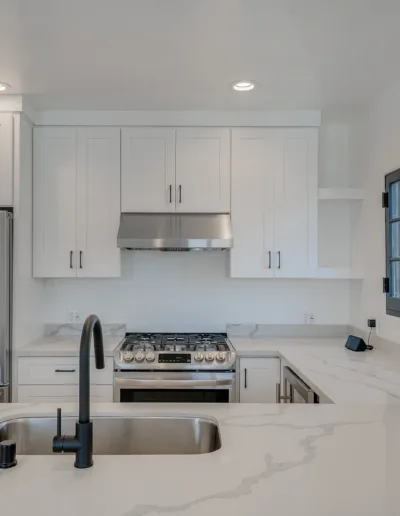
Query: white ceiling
<point>183,54</point>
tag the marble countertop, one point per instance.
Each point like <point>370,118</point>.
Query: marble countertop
<point>275,459</point>
<point>340,375</point>
<point>63,341</point>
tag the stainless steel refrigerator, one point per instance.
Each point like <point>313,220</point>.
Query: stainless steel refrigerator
<point>5,304</point>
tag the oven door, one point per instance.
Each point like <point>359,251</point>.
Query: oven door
<point>174,387</point>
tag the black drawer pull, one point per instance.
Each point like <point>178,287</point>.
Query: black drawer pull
<point>65,370</point>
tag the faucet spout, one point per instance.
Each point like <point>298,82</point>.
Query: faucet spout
<point>82,443</point>
<point>91,326</point>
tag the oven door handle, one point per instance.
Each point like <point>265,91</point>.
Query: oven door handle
<point>168,384</point>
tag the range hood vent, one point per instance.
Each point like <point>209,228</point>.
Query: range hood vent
<point>175,232</point>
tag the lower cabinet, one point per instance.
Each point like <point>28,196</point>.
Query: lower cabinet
<point>258,379</point>
<point>56,379</point>
<point>62,393</point>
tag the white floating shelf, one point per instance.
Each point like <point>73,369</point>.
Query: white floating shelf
<point>346,194</point>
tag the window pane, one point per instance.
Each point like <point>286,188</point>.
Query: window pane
<point>395,279</point>
<point>394,196</point>
<point>394,240</point>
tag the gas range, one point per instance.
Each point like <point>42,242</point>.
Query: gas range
<point>175,352</point>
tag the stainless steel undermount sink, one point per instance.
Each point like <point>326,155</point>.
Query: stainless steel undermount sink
<point>119,436</point>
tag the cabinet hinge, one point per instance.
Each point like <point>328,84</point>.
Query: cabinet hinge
<point>385,285</point>
<point>385,200</point>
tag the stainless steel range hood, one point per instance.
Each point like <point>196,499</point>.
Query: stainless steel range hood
<point>175,232</point>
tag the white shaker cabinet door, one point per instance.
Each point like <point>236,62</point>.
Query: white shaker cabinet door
<point>259,378</point>
<point>99,202</point>
<point>6,160</point>
<point>54,202</point>
<point>253,168</point>
<point>148,169</point>
<point>296,203</point>
<point>202,170</point>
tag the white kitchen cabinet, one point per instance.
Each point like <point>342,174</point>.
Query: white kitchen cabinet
<point>6,160</point>
<point>203,170</point>
<point>274,203</point>
<point>99,205</point>
<point>148,169</point>
<point>54,202</point>
<point>42,379</point>
<point>62,393</point>
<point>168,170</point>
<point>60,371</point>
<point>258,379</point>
<point>76,206</point>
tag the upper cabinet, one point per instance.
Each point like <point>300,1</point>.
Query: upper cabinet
<point>203,170</point>
<point>76,202</point>
<point>168,170</point>
<point>148,169</point>
<point>274,203</point>
<point>6,160</point>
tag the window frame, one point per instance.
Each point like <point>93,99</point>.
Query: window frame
<point>392,303</point>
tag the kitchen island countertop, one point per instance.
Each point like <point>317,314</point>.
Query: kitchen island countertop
<point>275,459</point>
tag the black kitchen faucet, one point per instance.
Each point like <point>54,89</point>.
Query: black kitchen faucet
<point>82,442</point>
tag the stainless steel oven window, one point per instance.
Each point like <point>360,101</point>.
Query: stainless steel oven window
<point>176,381</point>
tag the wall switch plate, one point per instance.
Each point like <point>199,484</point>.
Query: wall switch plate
<point>73,316</point>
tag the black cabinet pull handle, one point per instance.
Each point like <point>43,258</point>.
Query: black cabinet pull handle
<point>180,193</point>
<point>279,259</point>
<point>71,255</point>
<point>269,258</point>
<point>245,378</point>
<point>65,370</point>
<point>80,259</point>
<point>170,194</point>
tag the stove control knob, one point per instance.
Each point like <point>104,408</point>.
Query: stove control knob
<point>128,356</point>
<point>210,357</point>
<point>139,356</point>
<point>150,357</point>
<point>198,356</point>
<point>220,357</point>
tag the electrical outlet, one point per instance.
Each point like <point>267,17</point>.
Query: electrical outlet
<point>73,316</point>
<point>372,325</point>
<point>308,318</point>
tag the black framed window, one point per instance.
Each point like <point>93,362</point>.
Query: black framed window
<point>392,230</point>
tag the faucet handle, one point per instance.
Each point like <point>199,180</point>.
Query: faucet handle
<point>58,440</point>
<point>58,422</point>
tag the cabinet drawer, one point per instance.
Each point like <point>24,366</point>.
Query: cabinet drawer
<point>271,364</point>
<point>60,371</point>
<point>62,393</point>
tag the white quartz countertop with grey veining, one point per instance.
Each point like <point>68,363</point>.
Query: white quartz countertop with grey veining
<point>63,340</point>
<point>275,459</point>
<point>341,375</point>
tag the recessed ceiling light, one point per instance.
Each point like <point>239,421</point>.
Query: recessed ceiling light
<point>4,86</point>
<point>243,86</point>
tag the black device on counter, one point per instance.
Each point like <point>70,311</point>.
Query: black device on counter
<point>357,344</point>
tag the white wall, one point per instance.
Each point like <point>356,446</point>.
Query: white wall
<point>383,157</point>
<point>192,291</point>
